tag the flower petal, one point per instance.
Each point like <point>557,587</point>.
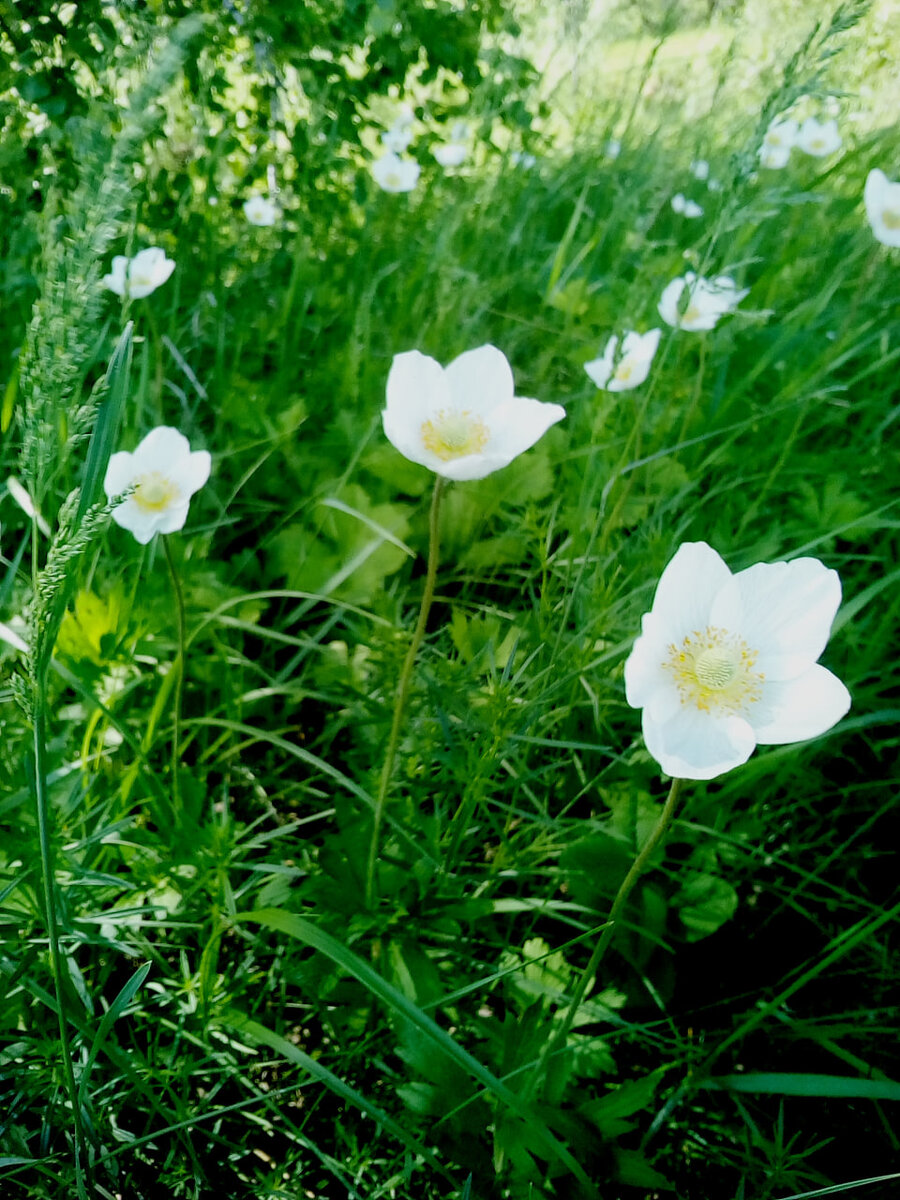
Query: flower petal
<point>119,473</point>
<point>517,424</point>
<point>783,611</point>
<point>416,389</point>
<point>795,710</point>
<point>686,591</point>
<point>162,449</point>
<point>480,381</point>
<point>695,745</point>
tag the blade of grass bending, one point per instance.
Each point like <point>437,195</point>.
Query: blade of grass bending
<point>308,933</point>
<point>115,1010</point>
<point>841,1187</point>
<point>118,375</point>
<point>789,1084</point>
<point>267,1037</point>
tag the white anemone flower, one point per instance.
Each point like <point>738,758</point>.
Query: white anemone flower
<point>450,154</point>
<point>707,300</point>
<point>700,169</point>
<point>687,208</point>
<point>780,139</point>
<point>260,211</point>
<point>394,174</point>
<point>139,276</point>
<point>631,367</point>
<point>397,139</point>
<point>727,662</point>
<point>613,148</point>
<point>462,421</point>
<point>818,138</point>
<point>164,473</point>
<point>883,207</point>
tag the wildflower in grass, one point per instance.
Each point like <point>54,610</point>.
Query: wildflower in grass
<point>260,211</point>
<point>883,207</point>
<point>395,174</point>
<point>450,154</point>
<point>164,473</point>
<point>707,301</point>
<point>462,421</point>
<point>700,169</point>
<point>818,138</point>
<point>780,139</point>
<point>631,367</point>
<point>137,277</point>
<point>726,662</point>
<point>613,148</point>
<point>520,158</point>
<point>687,208</point>
<point>396,139</point>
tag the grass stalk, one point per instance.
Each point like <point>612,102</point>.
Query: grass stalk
<point>403,684</point>
<point>178,667</point>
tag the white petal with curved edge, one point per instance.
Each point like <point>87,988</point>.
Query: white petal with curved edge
<point>119,473</point>
<point>416,390</point>
<point>480,381</point>
<point>695,745</point>
<point>644,674</point>
<point>687,589</point>
<point>517,424</point>
<point>600,369</point>
<point>668,301</point>
<point>194,472</point>
<point>161,450</point>
<point>783,611</point>
<point>802,708</point>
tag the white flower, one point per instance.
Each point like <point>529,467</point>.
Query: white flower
<point>139,276</point>
<point>451,154</point>
<point>700,169</point>
<point>260,211</point>
<point>521,158</point>
<point>461,421</point>
<point>393,174</point>
<point>633,363</point>
<point>715,185</point>
<point>780,138</point>
<point>725,662</point>
<point>397,138</point>
<point>459,131</point>
<point>164,474</point>
<point>613,148</point>
<point>687,208</point>
<point>818,138</point>
<point>883,207</point>
<point>707,300</point>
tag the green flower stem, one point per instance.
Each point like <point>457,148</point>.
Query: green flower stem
<point>42,806</point>
<point>558,1040</point>
<point>403,686</point>
<point>178,666</point>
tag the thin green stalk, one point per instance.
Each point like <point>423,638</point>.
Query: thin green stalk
<point>558,1040</point>
<point>403,684</point>
<point>39,787</point>
<point>178,667</point>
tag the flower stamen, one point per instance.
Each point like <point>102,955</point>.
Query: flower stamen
<point>454,434</point>
<point>154,492</point>
<point>713,672</point>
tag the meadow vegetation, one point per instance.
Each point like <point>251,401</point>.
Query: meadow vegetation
<point>305,894</point>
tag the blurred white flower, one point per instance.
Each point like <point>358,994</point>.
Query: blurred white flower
<point>393,174</point>
<point>462,421</point>
<point>397,138</point>
<point>164,474</point>
<point>780,139</point>
<point>632,366</point>
<point>450,154</point>
<point>707,300</point>
<point>883,207</point>
<point>715,185</point>
<point>260,211</point>
<point>726,662</point>
<point>687,208</point>
<point>139,276</point>
<point>613,148</point>
<point>818,138</point>
<point>520,158</point>
<point>459,131</point>
<point>700,169</point>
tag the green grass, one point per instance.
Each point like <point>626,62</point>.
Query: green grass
<point>244,1023</point>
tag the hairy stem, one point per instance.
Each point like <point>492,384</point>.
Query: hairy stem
<point>403,684</point>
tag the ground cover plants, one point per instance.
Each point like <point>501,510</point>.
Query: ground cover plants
<point>449,609</point>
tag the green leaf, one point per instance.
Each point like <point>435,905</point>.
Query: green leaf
<point>790,1084</point>
<point>706,902</point>
<point>310,934</point>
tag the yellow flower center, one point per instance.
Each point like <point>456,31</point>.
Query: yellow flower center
<point>625,370</point>
<point>891,218</point>
<point>154,492</point>
<point>691,313</point>
<point>454,434</point>
<point>713,671</point>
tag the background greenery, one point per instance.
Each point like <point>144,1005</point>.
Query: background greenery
<point>326,1046</point>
